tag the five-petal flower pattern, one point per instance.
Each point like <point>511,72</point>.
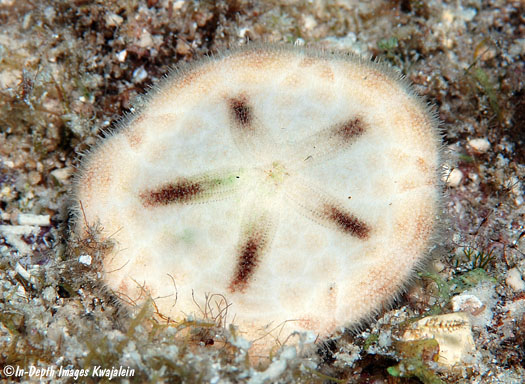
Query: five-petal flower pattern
<point>301,187</point>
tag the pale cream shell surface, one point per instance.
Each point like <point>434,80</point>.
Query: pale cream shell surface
<point>282,162</point>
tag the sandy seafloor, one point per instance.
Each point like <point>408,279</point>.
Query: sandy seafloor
<point>69,68</point>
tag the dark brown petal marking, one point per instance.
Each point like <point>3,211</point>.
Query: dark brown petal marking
<point>325,209</point>
<point>256,231</point>
<point>249,256</point>
<point>182,192</point>
<point>346,222</point>
<point>241,111</point>
<point>201,188</point>
<point>350,129</point>
<point>328,142</point>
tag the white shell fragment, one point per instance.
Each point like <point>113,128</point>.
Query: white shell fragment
<point>480,145</point>
<point>84,259</point>
<point>454,178</point>
<point>467,303</point>
<point>452,331</point>
<point>514,280</point>
<point>302,187</point>
<point>30,219</point>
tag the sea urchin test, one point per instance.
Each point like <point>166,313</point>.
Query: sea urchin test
<point>300,186</point>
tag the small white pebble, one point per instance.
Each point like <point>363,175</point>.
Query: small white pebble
<point>34,177</point>
<point>61,175</point>
<point>242,32</point>
<point>139,75</point>
<point>172,352</point>
<point>514,280</point>
<point>467,303</point>
<point>447,17</point>
<point>454,178</point>
<point>50,13</point>
<point>182,48</point>
<point>309,22</point>
<point>22,272</point>
<point>177,5</point>
<point>385,339</point>
<point>113,20</point>
<point>468,14</point>
<point>49,294</point>
<point>6,193</point>
<point>84,259</point>
<point>26,23</point>
<point>145,40</point>
<point>20,291</point>
<point>121,56</point>
<point>479,145</point>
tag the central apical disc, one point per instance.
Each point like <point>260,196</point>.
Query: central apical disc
<point>300,186</point>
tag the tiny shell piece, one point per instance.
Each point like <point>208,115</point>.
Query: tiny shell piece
<point>452,331</point>
<point>514,280</point>
<point>480,145</point>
